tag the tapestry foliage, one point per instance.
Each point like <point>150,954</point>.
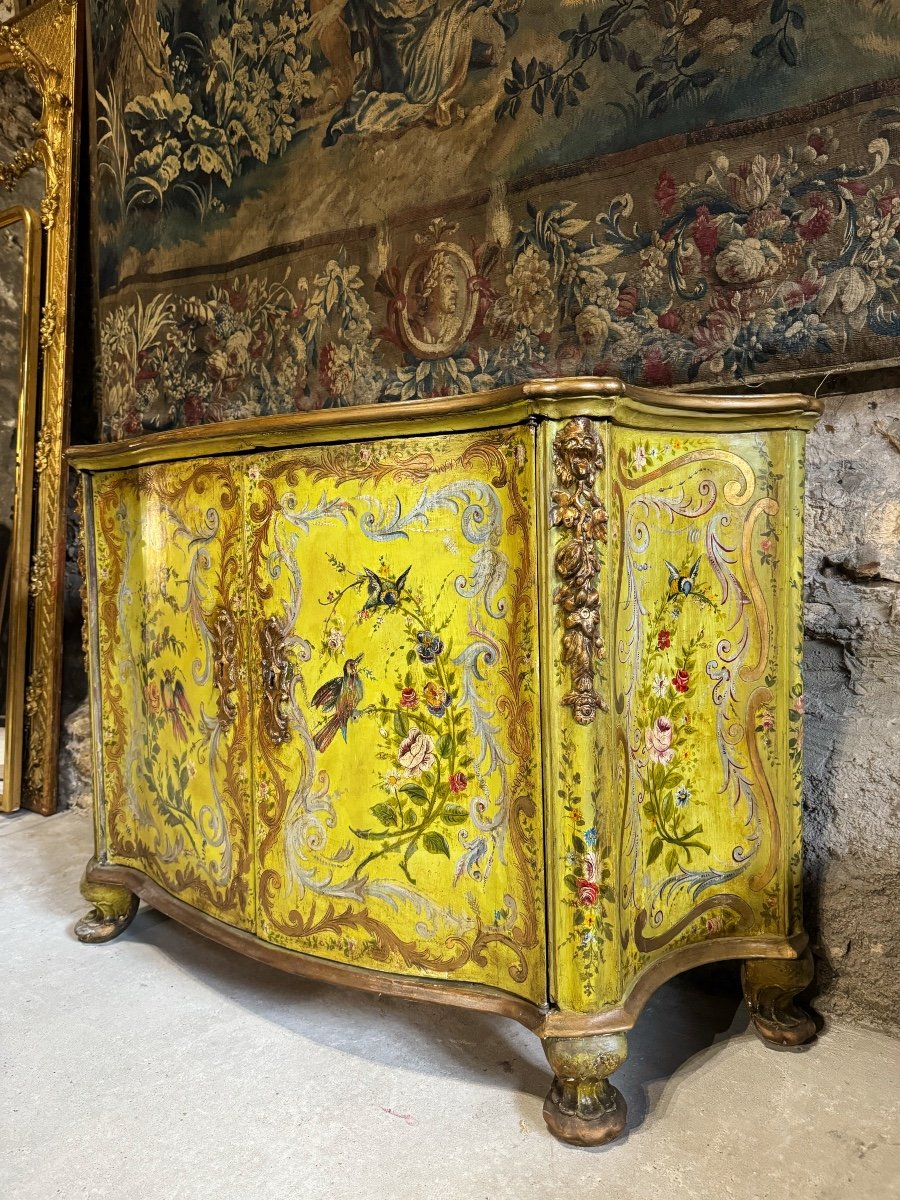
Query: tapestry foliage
<point>339,203</point>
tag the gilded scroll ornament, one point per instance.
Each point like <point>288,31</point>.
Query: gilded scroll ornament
<point>43,453</point>
<point>276,676</point>
<point>40,570</point>
<point>49,323</point>
<point>577,459</point>
<point>224,635</point>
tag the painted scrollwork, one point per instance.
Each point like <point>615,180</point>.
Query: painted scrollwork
<point>577,460</point>
<point>224,640</point>
<point>441,734</point>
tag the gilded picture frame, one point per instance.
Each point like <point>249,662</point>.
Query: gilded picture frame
<point>16,575</point>
<point>45,41</point>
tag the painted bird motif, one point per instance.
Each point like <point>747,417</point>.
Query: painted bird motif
<point>682,585</point>
<point>341,697</point>
<point>383,593</point>
<point>175,704</point>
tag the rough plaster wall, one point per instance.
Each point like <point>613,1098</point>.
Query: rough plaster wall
<point>852,672</point>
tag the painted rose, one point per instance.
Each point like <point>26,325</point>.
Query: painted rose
<point>663,640</point>
<point>416,753</point>
<point>588,891</point>
<point>658,740</point>
<point>748,260</point>
<point>153,697</point>
<point>409,698</point>
<point>458,782</point>
<point>436,698</point>
<point>335,639</point>
<point>680,680</point>
<point>640,458</point>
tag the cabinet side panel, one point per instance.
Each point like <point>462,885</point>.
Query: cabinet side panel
<point>705,646</point>
<point>581,820</point>
<point>394,624</point>
<point>174,710</point>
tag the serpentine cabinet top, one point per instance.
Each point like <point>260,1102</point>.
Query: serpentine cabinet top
<point>542,399</point>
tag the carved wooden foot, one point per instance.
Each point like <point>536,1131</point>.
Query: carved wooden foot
<point>770,985</point>
<point>112,911</point>
<point>583,1107</point>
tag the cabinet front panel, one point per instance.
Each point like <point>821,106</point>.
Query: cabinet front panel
<point>173,687</point>
<point>396,771</point>
<point>704,550</point>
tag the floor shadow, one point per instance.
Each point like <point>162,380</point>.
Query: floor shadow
<point>433,1039</point>
<point>683,1023</point>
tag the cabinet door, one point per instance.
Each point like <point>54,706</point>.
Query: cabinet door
<point>172,681</point>
<point>706,553</point>
<point>396,766</point>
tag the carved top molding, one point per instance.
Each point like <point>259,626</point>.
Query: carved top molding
<point>550,399</point>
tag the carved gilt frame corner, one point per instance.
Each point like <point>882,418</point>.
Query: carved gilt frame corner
<point>45,41</point>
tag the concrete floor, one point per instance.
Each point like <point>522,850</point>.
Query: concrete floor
<point>161,1067</point>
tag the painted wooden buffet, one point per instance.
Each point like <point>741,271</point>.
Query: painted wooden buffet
<point>493,701</point>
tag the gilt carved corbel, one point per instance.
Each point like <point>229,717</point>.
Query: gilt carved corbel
<point>577,460</point>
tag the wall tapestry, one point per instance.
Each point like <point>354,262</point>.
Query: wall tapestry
<point>338,202</point>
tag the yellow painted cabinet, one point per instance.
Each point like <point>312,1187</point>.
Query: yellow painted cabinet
<point>498,705</point>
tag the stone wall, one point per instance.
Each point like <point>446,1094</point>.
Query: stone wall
<point>852,672</point>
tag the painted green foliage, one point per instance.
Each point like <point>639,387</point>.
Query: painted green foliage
<point>423,728</point>
<point>587,880</point>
